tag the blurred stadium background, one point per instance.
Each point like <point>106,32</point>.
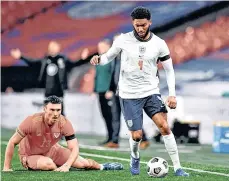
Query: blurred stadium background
<point>197,33</point>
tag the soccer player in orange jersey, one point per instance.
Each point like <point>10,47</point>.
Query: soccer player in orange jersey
<point>38,137</point>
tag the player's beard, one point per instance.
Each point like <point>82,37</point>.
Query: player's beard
<point>52,120</point>
<point>143,38</point>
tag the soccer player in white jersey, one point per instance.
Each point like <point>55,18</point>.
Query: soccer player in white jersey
<point>138,85</point>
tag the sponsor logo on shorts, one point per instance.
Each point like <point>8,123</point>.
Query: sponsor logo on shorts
<point>129,123</point>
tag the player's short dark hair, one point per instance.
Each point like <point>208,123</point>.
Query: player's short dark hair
<point>53,100</point>
<point>141,13</point>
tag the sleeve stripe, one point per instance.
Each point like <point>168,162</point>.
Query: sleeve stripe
<point>20,133</point>
<point>166,57</point>
<point>71,137</point>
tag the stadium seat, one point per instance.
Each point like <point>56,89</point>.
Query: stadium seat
<point>199,41</point>
<point>11,11</point>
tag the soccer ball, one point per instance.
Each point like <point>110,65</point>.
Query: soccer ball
<point>157,167</point>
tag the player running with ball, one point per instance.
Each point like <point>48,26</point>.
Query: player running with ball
<point>138,84</point>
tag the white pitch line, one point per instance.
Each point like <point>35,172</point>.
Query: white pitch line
<point>125,159</point>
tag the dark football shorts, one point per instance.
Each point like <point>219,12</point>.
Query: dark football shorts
<point>132,110</point>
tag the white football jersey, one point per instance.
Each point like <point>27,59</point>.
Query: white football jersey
<point>138,74</point>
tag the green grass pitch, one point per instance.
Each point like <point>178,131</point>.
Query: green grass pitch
<point>197,158</point>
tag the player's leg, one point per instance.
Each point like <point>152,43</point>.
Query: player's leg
<point>105,108</point>
<point>116,121</point>
<point>145,142</point>
<point>93,165</point>
<point>156,109</point>
<point>60,155</point>
<point>160,120</point>
<point>38,162</point>
<point>133,115</point>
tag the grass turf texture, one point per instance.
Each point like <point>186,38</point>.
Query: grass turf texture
<point>202,159</point>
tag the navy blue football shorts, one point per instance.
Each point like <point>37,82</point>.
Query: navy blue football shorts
<point>132,110</point>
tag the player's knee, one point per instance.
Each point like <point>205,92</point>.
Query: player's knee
<point>47,164</point>
<point>164,128</point>
<point>137,135</point>
<point>50,165</point>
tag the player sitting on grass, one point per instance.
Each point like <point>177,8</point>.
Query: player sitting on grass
<point>38,137</point>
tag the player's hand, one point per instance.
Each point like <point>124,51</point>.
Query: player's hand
<point>85,53</point>
<point>172,102</point>
<point>95,60</point>
<point>109,94</point>
<point>15,53</point>
<point>63,168</point>
<point>7,170</point>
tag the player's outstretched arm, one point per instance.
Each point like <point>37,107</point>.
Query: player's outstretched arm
<point>78,62</point>
<point>14,140</point>
<point>109,55</point>
<point>74,147</point>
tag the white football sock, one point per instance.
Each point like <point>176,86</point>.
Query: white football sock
<point>171,147</point>
<point>101,166</point>
<point>134,147</point>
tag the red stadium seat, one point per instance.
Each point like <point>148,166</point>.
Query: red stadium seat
<point>196,42</point>
<point>11,11</point>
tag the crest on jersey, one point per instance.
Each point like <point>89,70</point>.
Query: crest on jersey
<point>129,123</point>
<point>56,135</point>
<point>142,49</point>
